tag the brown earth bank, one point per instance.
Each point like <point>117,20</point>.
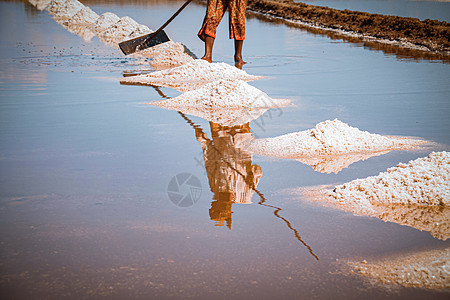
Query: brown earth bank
<point>433,35</point>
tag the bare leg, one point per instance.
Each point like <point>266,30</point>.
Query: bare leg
<point>209,43</point>
<point>238,61</point>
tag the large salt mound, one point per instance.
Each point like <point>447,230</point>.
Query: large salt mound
<point>119,31</point>
<point>424,181</point>
<point>223,94</point>
<point>64,9</point>
<point>190,76</point>
<point>104,22</point>
<point>429,269</point>
<point>329,138</point>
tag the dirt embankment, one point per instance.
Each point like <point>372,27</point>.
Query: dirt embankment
<point>431,34</point>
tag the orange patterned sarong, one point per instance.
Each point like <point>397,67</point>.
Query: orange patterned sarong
<point>214,13</point>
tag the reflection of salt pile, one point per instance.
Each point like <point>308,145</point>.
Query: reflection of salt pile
<point>430,269</point>
<point>223,94</point>
<point>191,76</point>
<point>222,116</point>
<point>335,163</point>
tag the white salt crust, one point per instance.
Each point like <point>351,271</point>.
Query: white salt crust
<point>424,181</point>
<point>223,94</point>
<point>328,138</point>
<point>429,269</point>
<point>104,21</point>
<point>191,75</point>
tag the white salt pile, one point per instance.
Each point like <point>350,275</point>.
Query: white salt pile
<point>223,94</point>
<point>114,34</point>
<point>430,269</point>
<point>191,75</point>
<point>329,138</point>
<point>173,57</point>
<point>416,194</point>
<point>81,23</point>
<point>104,22</point>
<point>140,30</point>
<point>156,50</point>
<point>64,9</point>
<point>40,4</point>
<point>424,181</point>
<point>84,17</point>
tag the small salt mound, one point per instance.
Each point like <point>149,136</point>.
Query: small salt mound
<point>85,17</point>
<point>424,181</point>
<point>329,138</point>
<point>104,22</point>
<point>64,10</point>
<point>119,31</point>
<point>138,31</point>
<point>40,4</point>
<point>191,75</point>
<point>156,50</point>
<point>173,57</point>
<point>429,269</point>
<point>223,94</point>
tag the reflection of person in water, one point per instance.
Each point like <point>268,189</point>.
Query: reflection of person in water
<point>232,177</point>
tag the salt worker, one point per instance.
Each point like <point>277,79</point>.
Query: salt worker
<point>214,12</point>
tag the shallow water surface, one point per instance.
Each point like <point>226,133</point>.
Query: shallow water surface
<point>87,169</point>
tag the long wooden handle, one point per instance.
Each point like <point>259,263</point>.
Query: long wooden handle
<point>170,20</point>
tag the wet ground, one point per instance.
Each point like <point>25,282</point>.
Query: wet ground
<point>86,166</point>
<point>422,9</point>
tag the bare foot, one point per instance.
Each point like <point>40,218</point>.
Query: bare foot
<point>208,59</point>
<point>239,62</point>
